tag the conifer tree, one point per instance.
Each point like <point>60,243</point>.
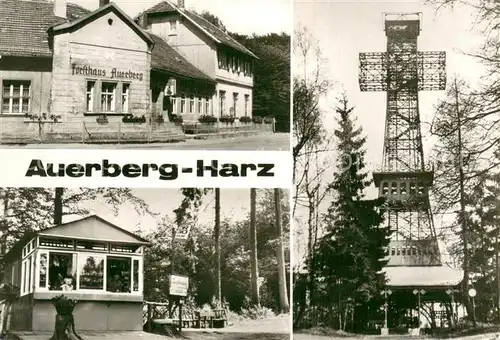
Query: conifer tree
<point>349,257</point>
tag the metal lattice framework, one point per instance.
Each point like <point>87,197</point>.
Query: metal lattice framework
<point>404,179</point>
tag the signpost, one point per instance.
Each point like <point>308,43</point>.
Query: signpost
<point>385,293</point>
<point>182,232</point>
<point>472,293</point>
<point>179,285</point>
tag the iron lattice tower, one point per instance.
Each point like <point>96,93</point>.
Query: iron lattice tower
<point>404,179</point>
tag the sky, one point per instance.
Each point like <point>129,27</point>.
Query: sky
<point>343,29</point>
<point>235,205</point>
<point>239,16</point>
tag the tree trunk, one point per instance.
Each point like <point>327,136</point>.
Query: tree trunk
<point>253,246</point>
<point>217,248</point>
<point>64,328</point>
<point>463,222</point>
<point>280,254</point>
<point>58,206</point>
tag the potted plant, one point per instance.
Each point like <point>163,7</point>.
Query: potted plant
<point>227,119</point>
<point>177,119</point>
<point>131,119</point>
<point>102,119</point>
<point>65,323</point>
<point>257,120</point>
<point>207,119</point>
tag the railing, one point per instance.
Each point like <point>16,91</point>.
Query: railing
<point>157,315</point>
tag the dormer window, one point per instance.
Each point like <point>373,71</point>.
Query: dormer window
<point>172,27</point>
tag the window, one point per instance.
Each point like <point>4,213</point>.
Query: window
<point>191,103</point>
<point>118,274</point>
<point>135,278</point>
<point>173,104</point>
<point>62,271</point>
<point>90,95</point>
<point>108,97</point>
<point>56,243</point>
<point>172,27</point>
<point>125,97</point>
<point>16,96</point>
<point>200,105</point>
<point>207,106</point>
<point>247,99</point>
<point>91,272</point>
<point>222,98</point>
<point>235,102</point>
<point>183,103</point>
<point>43,270</point>
<point>99,246</point>
<point>125,248</point>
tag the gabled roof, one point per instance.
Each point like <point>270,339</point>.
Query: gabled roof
<point>165,58</point>
<point>111,7</point>
<point>24,25</point>
<point>212,31</point>
<point>87,227</point>
<point>78,229</point>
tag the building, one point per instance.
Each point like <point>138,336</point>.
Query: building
<point>90,260</point>
<point>64,67</point>
<point>211,50</point>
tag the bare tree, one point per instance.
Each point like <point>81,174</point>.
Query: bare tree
<point>253,247</point>
<point>280,254</point>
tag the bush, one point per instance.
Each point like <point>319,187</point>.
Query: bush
<point>134,119</point>
<point>227,119</point>
<point>245,119</point>
<point>257,120</point>
<point>207,119</point>
<point>176,119</point>
<point>268,120</point>
<point>102,119</point>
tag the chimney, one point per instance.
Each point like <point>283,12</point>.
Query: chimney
<point>60,8</point>
<point>180,4</point>
<point>103,3</point>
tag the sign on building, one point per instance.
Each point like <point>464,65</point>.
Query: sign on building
<point>179,285</point>
<point>170,88</point>
<point>182,232</point>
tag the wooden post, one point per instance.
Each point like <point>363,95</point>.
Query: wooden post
<point>180,314</point>
<point>150,319</point>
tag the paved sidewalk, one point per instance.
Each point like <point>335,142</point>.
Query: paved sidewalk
<point>267,142</point>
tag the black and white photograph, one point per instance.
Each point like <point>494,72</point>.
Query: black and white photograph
<point>396,159</point>
<point>152,264</point>
<point>174,74</point>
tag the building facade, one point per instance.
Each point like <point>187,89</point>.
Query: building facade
<point>211,50</point>
<point>90,260</point>
<point>65,66</point>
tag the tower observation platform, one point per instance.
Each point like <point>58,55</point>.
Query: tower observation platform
<point>414,270</point>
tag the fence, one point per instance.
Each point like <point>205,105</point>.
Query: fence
<point>16,131</point>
